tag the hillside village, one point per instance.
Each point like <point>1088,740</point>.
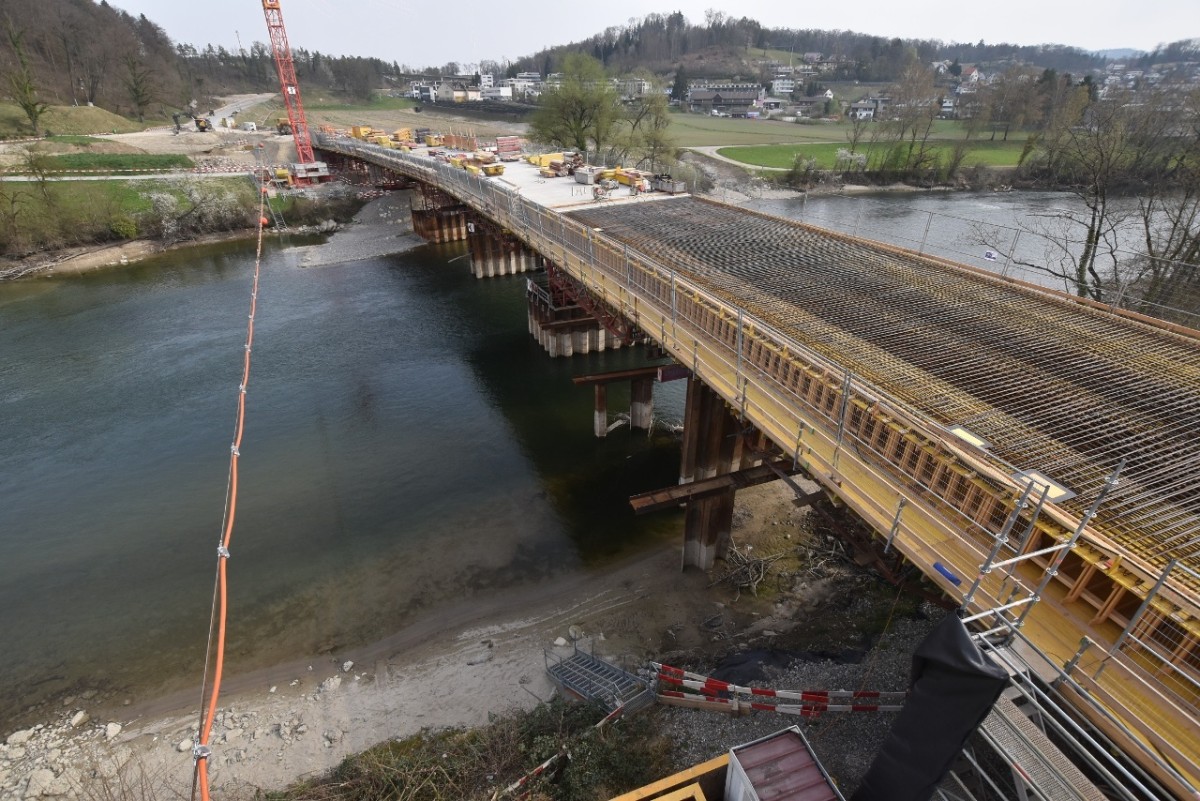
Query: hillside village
<point>799,90</point>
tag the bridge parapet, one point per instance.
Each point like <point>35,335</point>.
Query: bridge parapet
<point>952,508</point>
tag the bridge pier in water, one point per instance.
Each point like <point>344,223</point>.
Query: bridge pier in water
<point>438,217</point>
<point>560,324</point>
<point>496,251</point>
<point>713,445</point>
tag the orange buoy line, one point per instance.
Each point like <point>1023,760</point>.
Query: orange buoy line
<point>201,750</point>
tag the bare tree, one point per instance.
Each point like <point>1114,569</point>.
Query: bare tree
<point>854,134</point>
<point>21,81</point>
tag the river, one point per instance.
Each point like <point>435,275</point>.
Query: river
<point>407,443</point>
<point>980,229</point>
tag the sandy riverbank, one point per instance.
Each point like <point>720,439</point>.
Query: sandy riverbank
<point>449,668</point>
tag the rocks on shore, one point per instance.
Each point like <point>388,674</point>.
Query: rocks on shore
<point>46,760</point>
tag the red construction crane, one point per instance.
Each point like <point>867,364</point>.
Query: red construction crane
<point>287,81</point>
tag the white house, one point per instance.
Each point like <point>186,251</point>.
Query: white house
<point>782,86</point>
<point>496,93</point>
<point>487,80</point>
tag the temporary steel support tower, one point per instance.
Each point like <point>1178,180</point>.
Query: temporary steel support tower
<point>288,84</point>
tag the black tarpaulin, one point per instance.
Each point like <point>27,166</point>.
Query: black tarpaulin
<point>951,690</point>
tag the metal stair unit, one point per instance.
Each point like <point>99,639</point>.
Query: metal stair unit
<point>593,679</point>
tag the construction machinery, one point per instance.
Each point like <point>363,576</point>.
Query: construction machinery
<point>306,169</point>
<point>202,124</point>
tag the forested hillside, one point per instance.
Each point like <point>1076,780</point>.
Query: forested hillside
<point>75,52</point>
<point>722,46</point>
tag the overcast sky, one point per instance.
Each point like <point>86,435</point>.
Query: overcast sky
<point>468,31</point>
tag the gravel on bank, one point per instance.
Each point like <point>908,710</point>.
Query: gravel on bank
<point>845,743</point>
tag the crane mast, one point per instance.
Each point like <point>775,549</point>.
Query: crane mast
<point>288,84</point>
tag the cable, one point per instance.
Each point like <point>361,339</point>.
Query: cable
<point>220,603</point>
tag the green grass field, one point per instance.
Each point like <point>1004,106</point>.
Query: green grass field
<point>700,130</point>
<point>980,152</point>
<point>118,162</point>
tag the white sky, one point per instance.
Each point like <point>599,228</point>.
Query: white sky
<point>468,31</point>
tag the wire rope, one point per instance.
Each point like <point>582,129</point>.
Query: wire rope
<point>214,654</point>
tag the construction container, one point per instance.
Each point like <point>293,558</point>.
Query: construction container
<point>586,175</point>
<point>493,170</point>
<point>361,131</point>
<point>434,140</point>
<point>665,183</point>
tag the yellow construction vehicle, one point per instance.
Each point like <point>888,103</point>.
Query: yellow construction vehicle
<point>283,126</point>
<point>202,124</point>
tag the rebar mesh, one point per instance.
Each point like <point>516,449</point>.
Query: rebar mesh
<point>1055,386</point>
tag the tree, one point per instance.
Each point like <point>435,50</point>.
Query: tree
<point>582,113</point>
<point>138,84</point>
<point>680,88</point>
<point>21,82</point>
<point>648,139</point>
<point>914,107</point>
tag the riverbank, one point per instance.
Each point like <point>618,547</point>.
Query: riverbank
<point>451,667</point>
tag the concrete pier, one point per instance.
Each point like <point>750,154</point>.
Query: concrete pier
<point>713,445</point>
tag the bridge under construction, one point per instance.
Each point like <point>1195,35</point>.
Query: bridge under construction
<point>1034,454</point>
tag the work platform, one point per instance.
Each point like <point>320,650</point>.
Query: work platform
<point>1032,453</point>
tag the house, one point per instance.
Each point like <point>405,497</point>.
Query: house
<point>862,110</point>
<point>810,107</point>
<point>465,94</point>
<point>728,101</point>
<point>487,80</point>
<point>782,86</point>
<point>632,87</point>
<point>426,93</point>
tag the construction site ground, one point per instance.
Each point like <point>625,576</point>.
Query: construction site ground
<point>236,147</point>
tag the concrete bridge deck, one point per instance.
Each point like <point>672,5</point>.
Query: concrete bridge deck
<point>916,392</point>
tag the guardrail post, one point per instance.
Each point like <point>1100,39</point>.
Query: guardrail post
<point>895,522</point>
<point>1001,539</point>
<point>1137,616</point>
<point>1052,569</point>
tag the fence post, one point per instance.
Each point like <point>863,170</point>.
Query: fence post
<point>925,236</point>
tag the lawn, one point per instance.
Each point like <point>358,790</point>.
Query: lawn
<point>985,152</point>
<point>118,162</point>
<point>701,130</point>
